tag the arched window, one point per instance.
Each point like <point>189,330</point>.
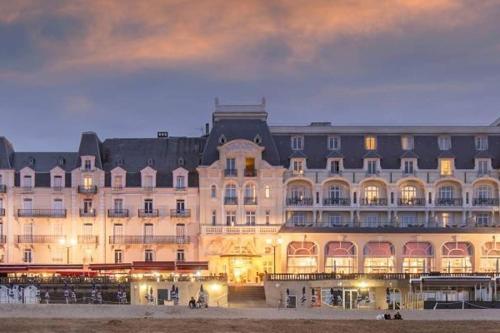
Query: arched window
<point>340,257</point>
<point>457,257</point>
<point>490,257</point>
<point>379,257</point>
<point>417,257</point>
<point>302,257</point>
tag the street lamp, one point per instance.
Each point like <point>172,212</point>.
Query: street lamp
<point>68,244</point>
<point>274,243</point>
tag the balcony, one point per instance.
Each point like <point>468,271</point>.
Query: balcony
<point>3,188</point>
<point>449,202</point>
<point>250,173</point>
<point>118,213</point>
<point>230,173</point>
<point>38,239</point>
<point>117,188</point>
<point>485,202</point>
<point>2,211</point>
<point>180,188</point>
<point>180,213</point>
<point>335,173</point>
<point>87,239</point>
<point>240,230</point>
<point>57,188</point>
<point>336,202</point>
<point>142,239</point>
<point>85,189</point>
<point>54,213</point>
<point>374,202</point>
<point>230,200</point>
<point>27,189</point>
<point>148,213</point>
<point>148,189</point>
<point>249,201</point>
<point>411,202</point>
<point>87,212</point>
<point>299,202</point>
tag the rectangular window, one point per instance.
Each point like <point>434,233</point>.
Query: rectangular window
<point>27,256</point>
<point>117,229</point>
<point>87,165</point>
<point>481,142</point>
<point>57,204</point>
<point>87,229</point>
<point>27,204</point>
<point>180,230</point>
<point>180,255</point>
<point>1,180</point>
<point>180,206</point>
<point>148,181</point>
<point>298,166</point>
<point>87,206</point>
<point>372,167</point>
<point>268,217</point>
<point>148,255</point>
<point>87,182</point>
<point>148,206</point>
<point>370,142</point>
<point>1,203</point>
<point>250,218</point>
<point>407,142</point>
<point>118,205</point>
<point>58,183</point>
<point>482,167</point>
<point>118,256</point>
<point>445,168</point>
<point>117,182</point>
<point>267,191</point>
<point>180,182</point>
<point>214,217</point>
<point>444,142</point>
<point>334,142</point>
<point>148,230</point>
<point>335,167</point>
<point>230,164</point>
<point>297,142</point>
<point>28,181</point>
<point>408,167</point>
<point>483,219</point>
<point>230,218</point>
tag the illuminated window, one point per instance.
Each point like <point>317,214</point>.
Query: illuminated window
<point>298,166</point>
<point>371,194</point>
<point>407,142</point>
<point>456,257</point>
<point>370,143</point>
<point>408,195</point>
<point>87,181</point>
<point>117,182</point>
<point>446,168</point>
<point>267,191</point>
<point>230,218</point>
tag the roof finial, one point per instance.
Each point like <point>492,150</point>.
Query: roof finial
<point>216,101</point>
<point>263,101</point>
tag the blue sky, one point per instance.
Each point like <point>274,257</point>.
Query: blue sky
<point>129,68</point>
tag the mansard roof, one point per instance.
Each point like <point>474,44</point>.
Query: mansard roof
<point>6,153</point>
<point>44,162</point>
<point>90,145</point>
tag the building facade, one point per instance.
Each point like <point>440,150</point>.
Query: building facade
<point>250,198</point>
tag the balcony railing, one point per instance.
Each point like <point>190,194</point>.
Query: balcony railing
<point>299,201</point>
<point>365,226</point>
<point>411,202</point>
<point>56,213</point>
<point>40,239</point>
<point>373,201</point>
<point>87,212</point>
<point>143,239</point>
<point>148,213</point>
<point>148,189</point>
<point>485,202</point>
<point>250,201</point>
<point>180,213</point>
<point>180,188</point>
<point>3,188</point>
<point>57,188</point>
<point>230,172</point>
<point>230,200</point>
<point>336,202</point>
<point>240,230</point>
<point>449,202</point>
<point>87,239</point>
<point>118,213</point>
<point>2,211</point>
<point>27,188</point>
<point>117,188</point>
<point>250,173</point>
<point>84,189</point>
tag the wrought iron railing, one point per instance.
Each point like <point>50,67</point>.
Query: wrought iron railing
<point>118,213</point>
<point>85,189</point>
<point>148,213</point>
<point>148,239</point>
<point>55,213</point>
<point>292,201</point>
<point>87,212</point>
<point>452,202</point>
<point>180,213</point>
<point>336,201</point>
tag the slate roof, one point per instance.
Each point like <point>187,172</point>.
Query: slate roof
<point>6,153</point>
<point>43,162</point>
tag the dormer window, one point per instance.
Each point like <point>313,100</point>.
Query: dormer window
<point>180,161</point>
<point>481,142</point>
<point>148,181</point>
<point>87,165</point>
<point>370,142</point>
<point>408,167</point>
<point>117,182</point>
<point>222,139</point>
<point>298,166</point>
<point>58,182</point>
<point>335,167</point>
<point>180,182</point>
<point>257,140</point>
<point>27,181</point>
<point>334,142</point>
<point>407,142</point>
<point>444,142</point>
<point>483,166</point>
<point>446,167</point>
<point>297,142</point>
<point>371,167</point>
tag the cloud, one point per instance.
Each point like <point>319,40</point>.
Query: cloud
<point>225,36</point>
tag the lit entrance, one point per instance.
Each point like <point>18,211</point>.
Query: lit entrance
<point>350,299</point>
<point>243,269</point>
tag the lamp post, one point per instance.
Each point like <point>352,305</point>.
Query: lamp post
<point>68,244</point>
<point>274,243</point>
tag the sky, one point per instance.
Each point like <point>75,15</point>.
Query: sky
<point>132,68</point>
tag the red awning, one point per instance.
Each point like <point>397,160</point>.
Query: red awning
<point>457,249</point>
<point>110,267</point>
<point>417,249</point>
<point>378,249</point>
<point>340,249</point>
<point>192,265</point>
<point>153,266</point>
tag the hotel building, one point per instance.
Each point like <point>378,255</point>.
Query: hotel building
<point>251,198</point>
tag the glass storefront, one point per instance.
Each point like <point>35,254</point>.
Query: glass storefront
<point>302,257</point>
<point>457,257</point>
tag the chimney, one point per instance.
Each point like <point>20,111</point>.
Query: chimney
<point>162,135</point>
<point>207,128</point>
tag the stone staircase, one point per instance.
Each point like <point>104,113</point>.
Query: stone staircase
<point>242,296</point>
